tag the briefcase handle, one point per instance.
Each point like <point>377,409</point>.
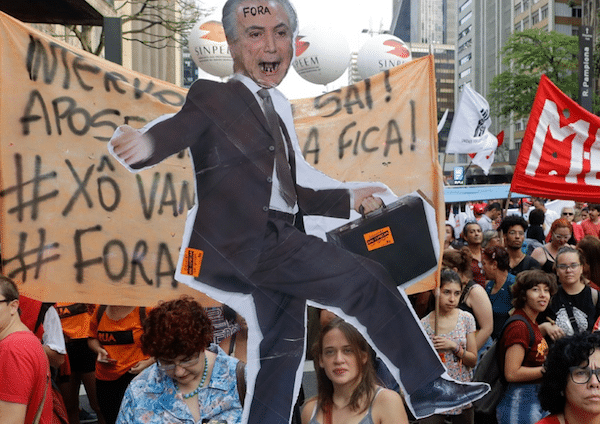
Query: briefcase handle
<point>361,210</point>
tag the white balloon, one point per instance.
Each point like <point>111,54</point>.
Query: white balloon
<point>209,48</point>
<point>322,55</point>
<point>380,53</point>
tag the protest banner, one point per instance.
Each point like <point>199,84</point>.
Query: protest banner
<point>78,227</point>
<point>560,153</point>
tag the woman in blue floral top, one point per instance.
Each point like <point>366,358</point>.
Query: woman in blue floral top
<point>192,380</point>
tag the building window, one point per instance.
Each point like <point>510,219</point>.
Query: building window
<point>525,4</point>
<point>518,26</point>
<point>465,31</point>
<point>525,23</point>
<point>544,11</point>
<point>465,59</point>
<point>462,158</point>
<point>518,8</point>
<point>465,73</point>
<point>464,5</point>
<point>535,17</point>
<point>464,45</point>
<point>465,18</point>
<point>576,12</point>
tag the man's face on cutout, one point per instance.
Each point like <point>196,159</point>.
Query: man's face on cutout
<point>263,49</point>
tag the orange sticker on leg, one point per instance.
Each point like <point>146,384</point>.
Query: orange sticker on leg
<point>192,261</point>
<point>379,238</point>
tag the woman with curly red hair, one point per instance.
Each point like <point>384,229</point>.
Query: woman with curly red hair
<point>192,380</point>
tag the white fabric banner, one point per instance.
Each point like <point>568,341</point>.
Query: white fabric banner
<point>469,131</point>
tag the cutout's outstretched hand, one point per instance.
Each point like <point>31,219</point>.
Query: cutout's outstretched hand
<point>132,146</point>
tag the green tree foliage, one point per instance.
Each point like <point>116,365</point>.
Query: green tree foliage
<point>529,54</point>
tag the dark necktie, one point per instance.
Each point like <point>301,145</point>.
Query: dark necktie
<point>282,167</point>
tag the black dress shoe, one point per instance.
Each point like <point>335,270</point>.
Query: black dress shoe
<point>444,394</point>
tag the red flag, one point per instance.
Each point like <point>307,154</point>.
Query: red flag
<point>500,138</point>
<point>560,154</point>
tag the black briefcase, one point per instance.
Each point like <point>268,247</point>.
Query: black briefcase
<point>396,236</point>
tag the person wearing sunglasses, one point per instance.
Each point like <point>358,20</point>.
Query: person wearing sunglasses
<point>561,232</point>
<point>570,388</point>
<point>574,309</point>
<point>192,379</point>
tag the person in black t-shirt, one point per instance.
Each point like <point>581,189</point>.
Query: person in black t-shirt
<point>513,229</point>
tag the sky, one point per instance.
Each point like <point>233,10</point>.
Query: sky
<point>348,17</point>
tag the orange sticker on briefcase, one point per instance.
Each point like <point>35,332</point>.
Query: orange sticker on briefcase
<point>379,238</point>
<point>192,261</point>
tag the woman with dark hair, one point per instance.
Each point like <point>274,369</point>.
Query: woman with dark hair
<point>590,247</point>
<point>522,355</point>
<point>496,262</point>
<point>570,391</point>
<point>455,342</point>
<point>574,309</point>
<point>449,238</point>
<point>347,387</point>
<point>561,231</point>
<point>536,220</point>
<point>473,298</point>
<point>192,379</point>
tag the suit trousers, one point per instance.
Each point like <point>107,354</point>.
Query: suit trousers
<point>295,267</point>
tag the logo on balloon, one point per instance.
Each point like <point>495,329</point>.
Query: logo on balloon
<point>322,55</point>
<point>301,46</point>
<point>213,31</point>
<point>399,49</point>
<point>209,50</point>
<point>380,53</point>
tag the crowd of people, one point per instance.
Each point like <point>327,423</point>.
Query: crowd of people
<point>541,267</point>
<point>527,283</point>
<point>537,300</point>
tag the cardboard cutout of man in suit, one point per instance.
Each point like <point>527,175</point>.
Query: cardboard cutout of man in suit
<point>241,246</point>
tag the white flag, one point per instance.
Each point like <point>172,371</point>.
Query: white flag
<point>485,158</point>
<point>469,131</point>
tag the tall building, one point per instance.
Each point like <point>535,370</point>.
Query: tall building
<point>425,21</point>
<point>430,26</point>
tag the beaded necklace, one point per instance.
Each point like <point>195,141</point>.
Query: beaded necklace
<point>195,392</point>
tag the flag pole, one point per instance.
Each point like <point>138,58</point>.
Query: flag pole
<point>444,168</point>
<point>468,166</point>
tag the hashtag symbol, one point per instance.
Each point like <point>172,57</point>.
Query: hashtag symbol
<point>36,254</point>
<point>35,183</point>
